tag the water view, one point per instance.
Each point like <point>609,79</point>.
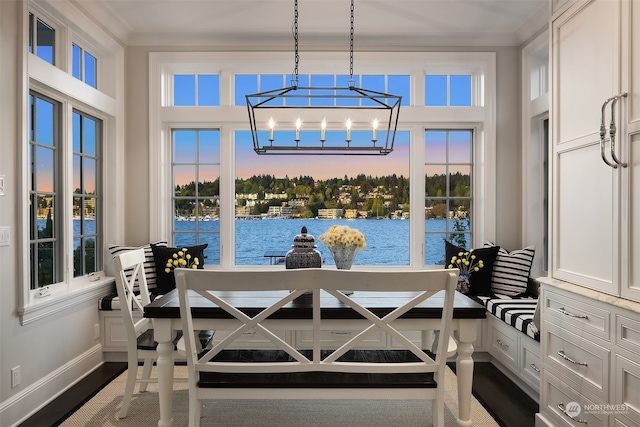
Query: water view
<point>387,239</point>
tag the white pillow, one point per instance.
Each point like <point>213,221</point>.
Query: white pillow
<point>511,270</point>
<point>149,263</point>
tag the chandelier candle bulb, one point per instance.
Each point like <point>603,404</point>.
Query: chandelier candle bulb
<point>271,125</point>
<point>323,128</point>
<point>375,130</point>
<point>348,130</point>
<point>298,124</point>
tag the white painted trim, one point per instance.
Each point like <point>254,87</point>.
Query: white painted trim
<point>46,389</point>
<point>534,111</point>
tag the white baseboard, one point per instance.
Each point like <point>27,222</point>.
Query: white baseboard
<point>27,402</point>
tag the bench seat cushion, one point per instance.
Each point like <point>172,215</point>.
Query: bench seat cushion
<point>516,311</point>
<point>315,379</point>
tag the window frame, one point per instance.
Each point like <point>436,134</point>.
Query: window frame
<point>57,83</point>
<point>228,118</point>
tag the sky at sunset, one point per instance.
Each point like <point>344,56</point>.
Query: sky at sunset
<point>248,163</point>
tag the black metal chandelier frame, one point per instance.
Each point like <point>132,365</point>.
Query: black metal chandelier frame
<point>326,105</point>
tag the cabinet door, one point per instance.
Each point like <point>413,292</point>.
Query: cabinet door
<point>585,64</point>
<point>630,244</point>
<point>630,150</point>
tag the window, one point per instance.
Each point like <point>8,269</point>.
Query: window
<point>275,196</point>
<point>42,38</point>
<point>196,89</point>
<point>447,90</point>
<point>448,191</point>
<point>45,201</point>
<point>87,212</point>
<point>84,65</point>
<point>246,84</point>
<point>69,134</point>
<point>196,196</point>
<point>47,193</point>
<point>264,201</point>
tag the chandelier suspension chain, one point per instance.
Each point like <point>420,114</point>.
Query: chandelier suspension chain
<point>325,108</point>
<point>295,38</point>
<point>351,82</point>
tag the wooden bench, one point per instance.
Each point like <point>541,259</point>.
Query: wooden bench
<point>408,372</point>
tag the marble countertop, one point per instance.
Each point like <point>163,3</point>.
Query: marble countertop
<point>590,293</point>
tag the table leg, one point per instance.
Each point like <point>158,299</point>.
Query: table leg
<point>466,335</point>
<point>163,335</point>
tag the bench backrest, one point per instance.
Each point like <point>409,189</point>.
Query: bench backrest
<point>209,284</point>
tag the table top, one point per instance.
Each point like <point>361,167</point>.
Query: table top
<point>168,307</point>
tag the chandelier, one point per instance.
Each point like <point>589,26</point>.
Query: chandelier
<point>337,120</point>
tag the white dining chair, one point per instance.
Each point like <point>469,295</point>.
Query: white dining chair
<point>131,285</point>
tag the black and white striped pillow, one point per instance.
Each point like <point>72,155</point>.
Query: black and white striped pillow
<point>149,263</point>
<point>511,270</point>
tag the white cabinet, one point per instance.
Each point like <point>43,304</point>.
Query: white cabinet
<point>590,351</point>
<point>517,352</point>
<point>595,208</point>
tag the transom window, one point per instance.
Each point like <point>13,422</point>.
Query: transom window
<point>191,90</point>
<point>246,84</point>
<point>447,90</point>
<point>42,39</point>
<point>84,65</point>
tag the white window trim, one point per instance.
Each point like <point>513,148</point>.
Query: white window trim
<point>481,117</point>
<point>58,83</point>
<point>534,112</point>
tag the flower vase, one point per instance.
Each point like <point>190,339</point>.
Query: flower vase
<point>343,256</point>
<point>463,283</point>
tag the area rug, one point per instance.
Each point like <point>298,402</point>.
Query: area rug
<point>103,408</point>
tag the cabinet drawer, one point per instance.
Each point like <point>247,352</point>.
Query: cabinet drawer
<point>575,312</point>
<point>627,333</point>
<point>578,359</point>
<point>626,386</point>
<point>304,339</point>
<point>503,343</point>
<point>530,362</point>
<point>561,403</point>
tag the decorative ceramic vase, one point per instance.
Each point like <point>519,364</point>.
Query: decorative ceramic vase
<point>343,255</point>
<point>463,283</point>
<point>304,253</point>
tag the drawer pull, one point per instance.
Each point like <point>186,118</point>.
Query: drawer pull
<point>568,359</point>
<point>341,332</point>
<point>570,314</point>
<point>501,344</point>
<point>534,367</point>
<point>564,411</point>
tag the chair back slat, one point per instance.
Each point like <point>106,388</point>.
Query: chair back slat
<point>130,276</point>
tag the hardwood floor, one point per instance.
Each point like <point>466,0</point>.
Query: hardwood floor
<point>505,401</point>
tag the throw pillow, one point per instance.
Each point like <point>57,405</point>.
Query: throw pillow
<point>161,254</point>
<point>480,281</point>
<point>511,270</point>
<point>149,263</point>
